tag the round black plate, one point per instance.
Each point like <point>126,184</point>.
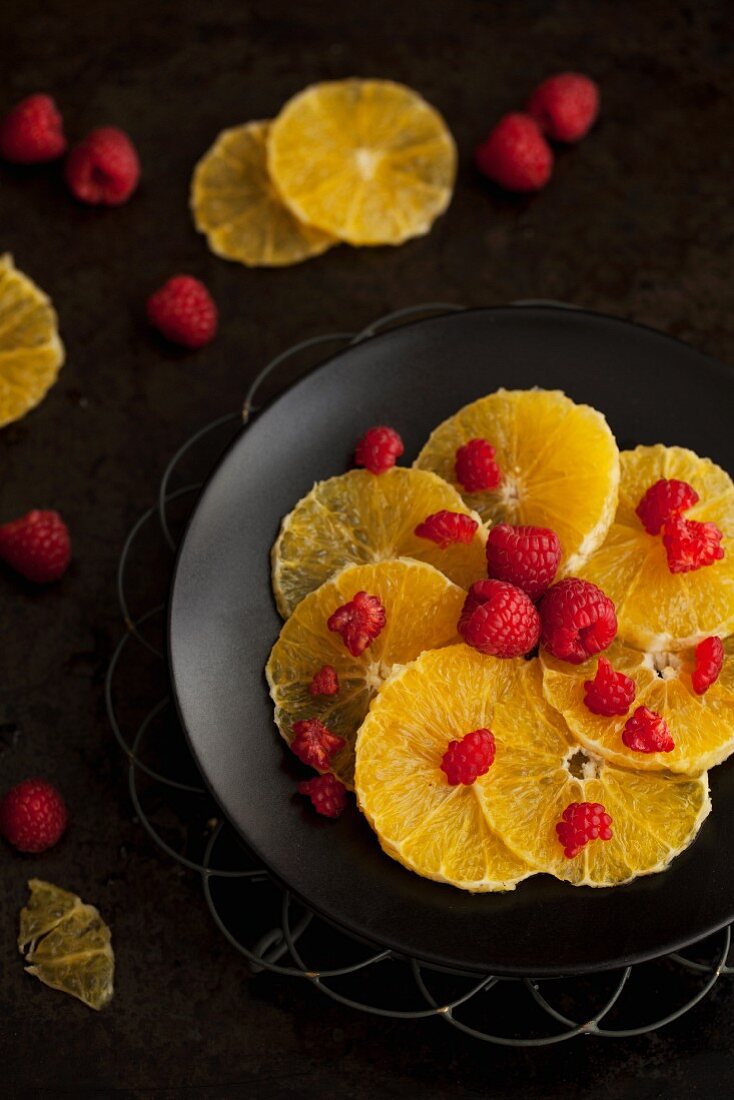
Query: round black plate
<point>223,623</point>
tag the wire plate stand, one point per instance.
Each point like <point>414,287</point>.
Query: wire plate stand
<point>259,917</point>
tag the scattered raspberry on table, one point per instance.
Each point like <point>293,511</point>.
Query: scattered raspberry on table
<point>37,546</point>
<point>103,169</point>
<point>565,106</point>
<point>32,132</point>
<point>33,816</point>
<point>516,155</point>
<point>184,312</point>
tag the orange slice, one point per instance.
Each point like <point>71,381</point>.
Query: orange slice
<point>31,353</point>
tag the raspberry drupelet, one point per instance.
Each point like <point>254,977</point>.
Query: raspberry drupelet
<point>359,622</point>
<point>325,681</point>
<point>378,449</point>
<point>499,619</point>
<point>475,467</point>
<point>709,660</point>
<point>663,500</point>
<point>647,731</point>
<point>446,528</point>
<point>578,619</point>
<point>610,692</point>
<point>314,744</point>
<point>328,794</point>
<point>582,822</point>
<point>527,557</point>
<point>468,758</point>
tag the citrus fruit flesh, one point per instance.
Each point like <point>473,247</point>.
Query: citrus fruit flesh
<point>658,610</point>
<point>368,161</point>
<point>69,945</point>
<point>359,517</point>
<point>422,609</point>
<point>559,463</point>
<point>31,353</point>
<point>702,726</point>
<point>537,772</point>
<point>235,204</point>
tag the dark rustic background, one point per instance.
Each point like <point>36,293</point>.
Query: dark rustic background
<point>637,221</point>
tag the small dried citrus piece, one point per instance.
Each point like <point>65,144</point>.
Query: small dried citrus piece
<point>235,203</point>
<point>31,353</point>
<point>70,946</point>
<point>366,160</point>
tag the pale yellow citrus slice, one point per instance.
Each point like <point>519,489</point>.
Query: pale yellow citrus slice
<point>359,517</point>
<point>31,353</point>
<point>68,944</point>
<point>422,609</point>
<point>658,610</point>
<point>236,205</point>
<point>702,726</point>
<point>537,772</point>
<point>366,160</point>
<point>559,463</point>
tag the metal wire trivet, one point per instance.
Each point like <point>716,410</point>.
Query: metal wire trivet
<point>260,918</point>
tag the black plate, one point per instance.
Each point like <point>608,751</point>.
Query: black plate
<point>223,622</point>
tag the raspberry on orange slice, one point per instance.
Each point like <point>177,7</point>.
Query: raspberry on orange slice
<point>485,836</point>
<point>559,465</point>
<point>660,610</point>
<point>701,726</point>
<point>31,353</point>
<point>359,518</point>
<point>421,612</point>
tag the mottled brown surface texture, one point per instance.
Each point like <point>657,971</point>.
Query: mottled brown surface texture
<point>637,221</point>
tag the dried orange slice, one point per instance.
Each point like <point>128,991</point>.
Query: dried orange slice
<point>366,160</point>
<point>422,609</point>
<point>454,834</point>
<point>658,610</point>
<point>68,944</point>
<point>359,517</point>
<point>702,726</point>
<point>235,203</point>
<point>559,463</point>
<point>31,353</point>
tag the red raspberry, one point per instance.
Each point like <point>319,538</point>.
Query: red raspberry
<point>33,816</point>
<point>378,449</point>
<point>184,312</point>
<point>37,546</point>
<point>647,731</point>
<point>609,692</point>
<point>582,822</point>
<point>709,661</point>
<point>314,744</point>
<point>446,528</point>
<point>565,105</point>
<point>527,557</point>
<point>32,132</point>
<point>499,619</point>
<point>475,467</point>
<point>578,620</point>
<point>325,681</point>
<point>467,759</point>
<point>691,545</point>
<point>516,155</point>
<point>327,794</point>
<point>359,622</point>
<point>104,168</point>
<point>663,500</point>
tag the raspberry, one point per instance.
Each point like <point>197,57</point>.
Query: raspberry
<point>32,816</point>
<point>647,731</point>
<point>662,501</point>
<point>327,794</point>
<point>475,468</point>
<point>184,312</point>
<point>325,681</point>
<point>582,822</point>
<point>578,620</point>
<point>516,155</point>
<point>359,622</point>
<point>499,619</point>
<point>467,759</point>
<point>709,660</point>
<point>104,168</point>
<point>609,692</point>
<point>378,449</point>
<point>314,744</point>
<point>691,545</point>
<point>37,546</point>
<point>446,528</point>
<point>32,132</point>
<point>565,106</point>
<point>527,557</point>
